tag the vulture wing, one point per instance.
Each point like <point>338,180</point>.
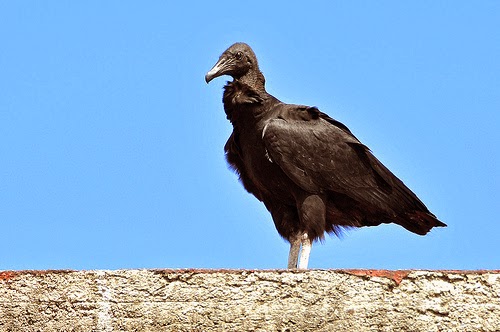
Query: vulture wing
<point>320,155</point>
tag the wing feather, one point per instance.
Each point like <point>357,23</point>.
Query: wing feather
<point>320,156</point>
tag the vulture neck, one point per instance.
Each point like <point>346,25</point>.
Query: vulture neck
<point>242,95</point>
<point>255,80</point>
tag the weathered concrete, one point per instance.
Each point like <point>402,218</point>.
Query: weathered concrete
<point>238,300</point>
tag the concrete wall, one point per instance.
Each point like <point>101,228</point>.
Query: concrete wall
<point>239,300</point>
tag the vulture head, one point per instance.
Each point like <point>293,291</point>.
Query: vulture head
<point>238,61</point>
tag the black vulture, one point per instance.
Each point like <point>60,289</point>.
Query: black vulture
<point>312,174</point>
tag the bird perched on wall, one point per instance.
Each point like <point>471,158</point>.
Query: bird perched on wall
<point>312,174</point>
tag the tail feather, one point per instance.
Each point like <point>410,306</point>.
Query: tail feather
<point>420,222</point>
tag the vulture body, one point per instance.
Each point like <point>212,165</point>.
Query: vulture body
<point>313,175</point>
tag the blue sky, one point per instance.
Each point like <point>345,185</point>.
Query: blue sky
<point>112,144</point>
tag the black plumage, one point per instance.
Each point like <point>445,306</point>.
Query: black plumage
<point>310,171</point>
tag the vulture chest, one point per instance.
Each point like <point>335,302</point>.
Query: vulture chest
<point>266,175</point>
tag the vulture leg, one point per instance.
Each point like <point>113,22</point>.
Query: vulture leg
<point>293,256</point>
<point>312,212</point>
<point>300,249</point>
<point>304,252</point>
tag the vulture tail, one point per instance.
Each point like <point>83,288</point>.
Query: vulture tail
<point>420,222</point>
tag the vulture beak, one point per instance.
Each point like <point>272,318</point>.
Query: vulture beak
<point>217,70</point>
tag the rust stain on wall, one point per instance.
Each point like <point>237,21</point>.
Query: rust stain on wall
<point>397,275</point>
<point>7,275</point>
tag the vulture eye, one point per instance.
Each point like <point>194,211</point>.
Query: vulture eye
<point>239,55</point>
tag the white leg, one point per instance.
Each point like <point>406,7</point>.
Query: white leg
<point>304,252</point>
<point>293,256</point>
